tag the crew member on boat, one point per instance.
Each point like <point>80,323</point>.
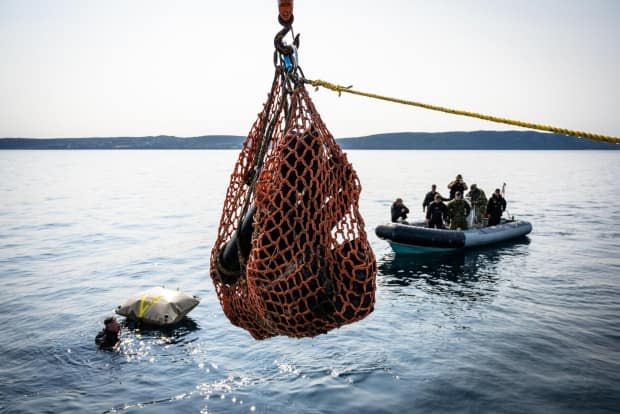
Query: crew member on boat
<point>430,197</point>
<point>478,202</point>
<point>495,207</point>
<point>458,210</point>
<point>436,213</point>
<point>457,185</point>
<point>399,210</point>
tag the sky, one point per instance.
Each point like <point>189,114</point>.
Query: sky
<point>92,68</point>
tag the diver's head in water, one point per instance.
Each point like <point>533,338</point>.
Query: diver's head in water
<point>111,325</point>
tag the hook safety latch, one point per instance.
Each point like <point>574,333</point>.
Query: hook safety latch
<point>288,53</point>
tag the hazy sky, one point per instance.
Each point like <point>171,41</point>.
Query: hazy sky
<point>82,68</point>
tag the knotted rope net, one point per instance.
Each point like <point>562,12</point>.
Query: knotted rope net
<point>292,256</point>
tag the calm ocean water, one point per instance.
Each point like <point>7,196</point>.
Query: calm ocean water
<point>531,326</point>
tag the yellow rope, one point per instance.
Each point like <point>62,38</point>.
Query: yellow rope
<point>549,128</point>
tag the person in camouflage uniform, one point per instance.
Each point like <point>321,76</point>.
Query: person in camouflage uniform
<point>458,210</point>
<point>478,203</point>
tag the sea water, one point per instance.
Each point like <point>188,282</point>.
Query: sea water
<point>527,326</point>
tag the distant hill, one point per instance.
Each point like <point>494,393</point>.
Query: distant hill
<point>477,140</point>
<point>480,140</point>
<point>158,142</point>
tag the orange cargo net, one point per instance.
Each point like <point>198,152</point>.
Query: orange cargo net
<point>292,257</point>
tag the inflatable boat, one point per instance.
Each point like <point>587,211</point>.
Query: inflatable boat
<point>416,238</point>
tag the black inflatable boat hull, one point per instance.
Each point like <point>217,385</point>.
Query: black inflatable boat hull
<point>415,238</point>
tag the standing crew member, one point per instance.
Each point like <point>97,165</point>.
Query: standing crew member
<point>478,202</point>
<point>457,185</point>
<point>458,210</point>
<point>430,197</point>
<point>436,213</point>
<point>495,207</point>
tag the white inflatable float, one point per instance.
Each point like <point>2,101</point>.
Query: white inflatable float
<point>158,306</point>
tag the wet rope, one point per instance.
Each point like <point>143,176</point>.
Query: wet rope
<point>530,125</point>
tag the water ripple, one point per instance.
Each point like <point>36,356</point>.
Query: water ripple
<point>529,326</point>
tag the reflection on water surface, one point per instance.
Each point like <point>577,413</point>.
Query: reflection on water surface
<point>469,274</point>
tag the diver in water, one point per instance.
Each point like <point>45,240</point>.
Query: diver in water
<point>109,335</point>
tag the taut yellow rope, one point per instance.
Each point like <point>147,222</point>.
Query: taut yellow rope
<point>549,128</point>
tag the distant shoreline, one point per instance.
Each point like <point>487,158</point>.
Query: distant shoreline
<point>473,140</point>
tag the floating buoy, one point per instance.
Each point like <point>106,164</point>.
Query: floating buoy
<point>158,306</point>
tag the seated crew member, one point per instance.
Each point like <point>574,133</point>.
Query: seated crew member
<point>399,210</point>
<point>495,207</point>
<point>109,335</point>
<point>436,213</point>
<point>458,210</point>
